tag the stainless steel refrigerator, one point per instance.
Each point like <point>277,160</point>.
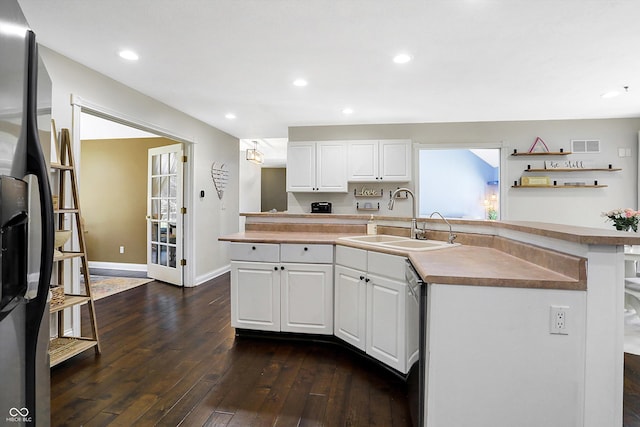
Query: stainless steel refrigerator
<point>26,224</point>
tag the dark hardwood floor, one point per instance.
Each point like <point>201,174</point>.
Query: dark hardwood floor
<point>631,390</point>
<point>170,357</point>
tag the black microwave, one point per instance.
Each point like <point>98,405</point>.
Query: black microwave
<point>321,207</point>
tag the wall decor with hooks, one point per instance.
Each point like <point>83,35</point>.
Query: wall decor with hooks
<point>367,206</point>
<point>220,176</point>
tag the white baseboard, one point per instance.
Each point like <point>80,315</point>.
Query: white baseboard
<point>211,275</point>
<point>143,268</point>
<point>118,266</point>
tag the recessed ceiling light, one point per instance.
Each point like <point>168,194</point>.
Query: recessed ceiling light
<point>129,55</point>
<point>610,94</point>
<point>401,58</point>
<point>347,111</point>
<point>230,116</point>
<point>300,82</point>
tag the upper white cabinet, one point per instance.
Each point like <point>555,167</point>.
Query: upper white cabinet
<point>379,160</point>
<point>317,166</point>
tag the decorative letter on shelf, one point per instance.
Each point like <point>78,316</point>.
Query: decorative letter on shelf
<point>538,146</point>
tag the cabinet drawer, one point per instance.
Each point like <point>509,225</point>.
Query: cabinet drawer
<point>261,252</point>
<point>351,257</point>
<point>386,265</point>
<point>312,254</point>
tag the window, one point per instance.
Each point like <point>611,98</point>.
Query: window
<point>459,183</point>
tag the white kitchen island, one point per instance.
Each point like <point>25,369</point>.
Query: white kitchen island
<point>490,358</point>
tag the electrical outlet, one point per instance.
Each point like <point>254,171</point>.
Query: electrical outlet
<point>121,249</point>
<point>558,320</point>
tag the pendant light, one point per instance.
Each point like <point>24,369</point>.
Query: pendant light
<point>255,156</point>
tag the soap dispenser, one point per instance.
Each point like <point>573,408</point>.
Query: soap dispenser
<point>372,227</point>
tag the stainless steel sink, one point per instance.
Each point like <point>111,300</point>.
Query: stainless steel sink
<point>419,245</point>
<point>398,242</point>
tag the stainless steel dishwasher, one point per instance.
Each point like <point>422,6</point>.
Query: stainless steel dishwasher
<point>416,381</point>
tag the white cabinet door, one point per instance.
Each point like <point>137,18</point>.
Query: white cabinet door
<point>363,161</point>
<point>317,166</point>
<point>349,308</point>
<point>384,160</point>
<point>301,166</point>
<point>307,298</point>
<point>386,327</point>
<point>331,167</point>
<point>395,160</point>
<point>255,295</point>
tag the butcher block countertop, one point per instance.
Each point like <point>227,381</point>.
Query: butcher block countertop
<point>460,265</point>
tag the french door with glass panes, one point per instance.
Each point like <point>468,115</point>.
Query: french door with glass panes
<point>164,214</point>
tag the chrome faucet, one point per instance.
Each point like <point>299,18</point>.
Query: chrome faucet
<point>414,228</point>
<point>452,236</point>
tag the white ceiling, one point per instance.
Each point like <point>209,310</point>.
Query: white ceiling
<point>473,60</point>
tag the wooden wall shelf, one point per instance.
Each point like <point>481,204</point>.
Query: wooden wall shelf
<point>575,170</point>
<point>544,153</point>
<point>559,186</point>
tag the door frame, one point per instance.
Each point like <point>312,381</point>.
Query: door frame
<point>80,105</point>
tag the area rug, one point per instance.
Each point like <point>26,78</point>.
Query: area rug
<point>631,332</point>
<point>104,286</point>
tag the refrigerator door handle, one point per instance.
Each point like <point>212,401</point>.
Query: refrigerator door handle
<point>36,165</point>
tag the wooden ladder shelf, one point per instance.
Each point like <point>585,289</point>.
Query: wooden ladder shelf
<point>64,347</point>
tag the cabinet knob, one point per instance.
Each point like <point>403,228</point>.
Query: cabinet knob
<point>367,280</point>
<point>361,277</point>
<point>275,268</point>
<point>281,267</point>
<point>253,248</point>
<point>306,249</point>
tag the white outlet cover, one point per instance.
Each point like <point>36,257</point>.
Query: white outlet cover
<point>559,320</point>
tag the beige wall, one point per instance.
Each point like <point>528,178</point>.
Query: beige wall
<point>274,189</point>
<point>113,197</point>
<point>209,217</point>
